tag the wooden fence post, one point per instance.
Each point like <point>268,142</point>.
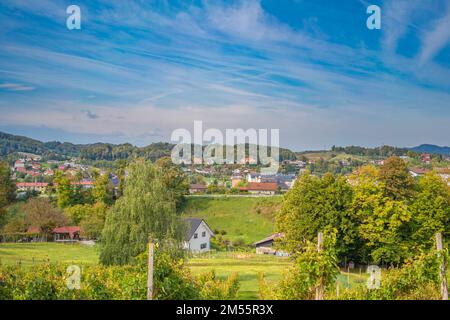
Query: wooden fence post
<point>150,271</point>
<point>337,289</point>
<point>320,287</point>
<point>442,275</point>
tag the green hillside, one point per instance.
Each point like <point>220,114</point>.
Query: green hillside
<point>246,219</point>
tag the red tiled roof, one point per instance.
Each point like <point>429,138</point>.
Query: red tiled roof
<point>33,230</point>
<point>31,184</point>
<point>69,229</point>
<point>261,186</point>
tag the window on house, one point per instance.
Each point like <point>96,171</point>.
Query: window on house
<point>203,246</point>
<point>195,235</point>
<point>204,234</point>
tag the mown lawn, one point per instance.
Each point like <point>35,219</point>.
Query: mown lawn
<point>246,219</point>
<point>30,253</point>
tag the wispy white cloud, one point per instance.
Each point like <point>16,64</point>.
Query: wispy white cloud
<point>15,87</point>
<point>230,65</point>
<point>397,18</point>
<point>436,38</point>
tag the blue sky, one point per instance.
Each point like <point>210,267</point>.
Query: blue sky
<point>137,70</point>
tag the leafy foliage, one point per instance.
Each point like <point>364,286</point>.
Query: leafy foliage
<point>172,281</point>
<point>314,205</point>
<point>417,279</point>
<point>40,213</point>
<point>398,183</point>
<point>311,269</point>
<point>147,208</point>
<point>430,210</point>
<point>7,190</point>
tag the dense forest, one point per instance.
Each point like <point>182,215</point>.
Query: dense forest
<point>94,152</point>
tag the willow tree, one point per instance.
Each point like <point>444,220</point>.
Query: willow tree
<point>146,209</point>
<point>7,189</point>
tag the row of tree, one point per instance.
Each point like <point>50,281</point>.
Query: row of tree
<point>379,215</point>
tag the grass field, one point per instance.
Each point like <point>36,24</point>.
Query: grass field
<point>331,156</point>
<point>248,219</point>
<point>29,253</point>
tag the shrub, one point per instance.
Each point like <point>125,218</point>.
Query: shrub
<point>311,269</point>
<point>172,281</point>
<point>418,279</point>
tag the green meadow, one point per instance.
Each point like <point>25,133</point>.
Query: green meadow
<point>246,219</point>
<point>28,254</point>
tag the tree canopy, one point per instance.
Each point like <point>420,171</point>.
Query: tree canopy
<point>146,209</point>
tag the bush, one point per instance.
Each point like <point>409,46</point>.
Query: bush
<point>418,279</point>
<point>311,269</point>
<point>172,281</point>
<point>212,288</point>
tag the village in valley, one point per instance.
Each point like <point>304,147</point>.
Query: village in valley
<point>230,212</point>
<point>37,176</point>
<point>224,150</point>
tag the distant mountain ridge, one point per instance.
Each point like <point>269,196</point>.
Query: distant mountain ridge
<point>431,148</point>
<point>10,143</point>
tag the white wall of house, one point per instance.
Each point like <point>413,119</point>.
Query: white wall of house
<point>265,192</point>
<point>200,240</point>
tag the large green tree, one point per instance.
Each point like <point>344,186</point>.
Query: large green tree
<point>40,213</point>
<point>146,209</point>
<point>94,220</point>
<point>430,210</point>
<point>383,221</point>
<point>175,180</point>
<point>64,190</point>
<point>103,189</point>
<point>317,205</point>
<point>398,183</point>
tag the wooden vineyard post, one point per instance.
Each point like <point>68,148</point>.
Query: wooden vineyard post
<point>320,287</point>
<point>442,275</point>
<point>150,271</point>
<point>337,289</point>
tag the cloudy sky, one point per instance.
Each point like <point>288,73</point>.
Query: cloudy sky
<point>137,70</point>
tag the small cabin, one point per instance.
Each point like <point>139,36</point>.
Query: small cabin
<point>266,245</point>
<point>66,233</point>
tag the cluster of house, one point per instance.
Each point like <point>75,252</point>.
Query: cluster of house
<point>33,169</point>
<point>254,183</point>
<point>41,187</point>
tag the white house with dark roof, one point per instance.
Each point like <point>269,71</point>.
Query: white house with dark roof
<point>198,235</point>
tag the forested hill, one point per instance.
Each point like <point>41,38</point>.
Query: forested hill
<point>431,148</point>
<point>97,151</point>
